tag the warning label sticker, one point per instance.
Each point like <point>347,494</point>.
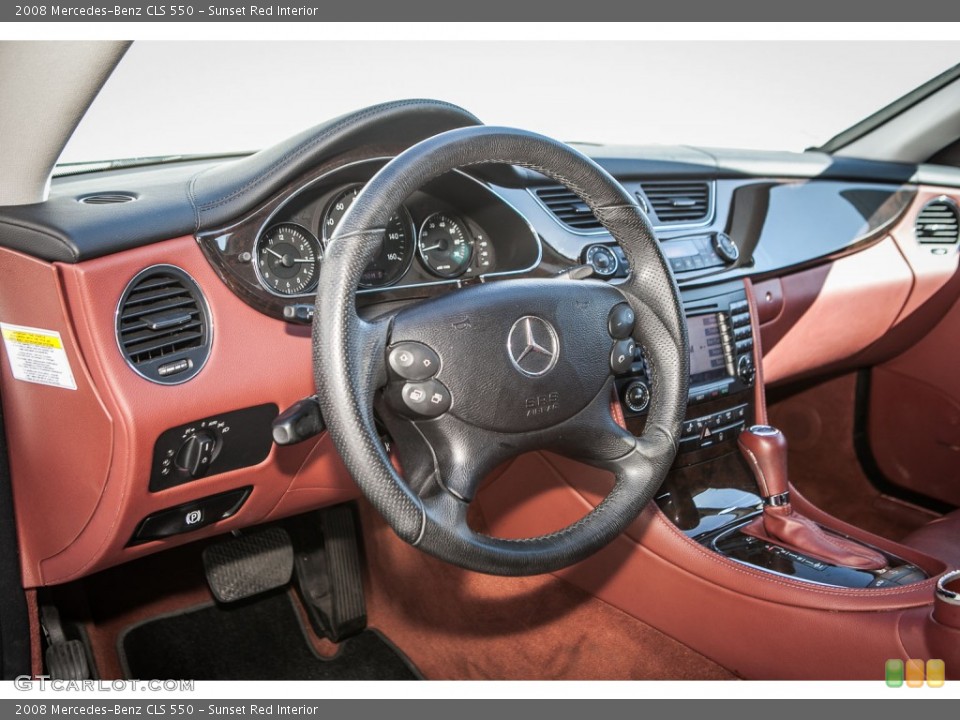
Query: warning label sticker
<point>37,356</point>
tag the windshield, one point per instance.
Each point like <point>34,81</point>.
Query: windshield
<point>181,98</point>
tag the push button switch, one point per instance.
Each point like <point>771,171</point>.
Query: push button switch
<point>621,357</point>
<point>637,396</point>
<point>190,516</point>
<point>427,399</point>
<point>413,361</point>
<point>621,321</point>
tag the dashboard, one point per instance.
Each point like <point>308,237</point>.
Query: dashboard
<point>181,295</point>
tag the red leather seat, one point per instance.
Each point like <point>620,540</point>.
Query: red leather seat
<point>939,539</point>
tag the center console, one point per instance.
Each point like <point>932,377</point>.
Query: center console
<point>718,497</point>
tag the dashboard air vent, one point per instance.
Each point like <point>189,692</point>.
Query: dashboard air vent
<point>107,199</point>
<point>568,208</point>
<point>678,201</point>
<point>938,223</point>
<point>163,325</point>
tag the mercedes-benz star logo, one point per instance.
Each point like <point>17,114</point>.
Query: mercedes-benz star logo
<point>533,346</point>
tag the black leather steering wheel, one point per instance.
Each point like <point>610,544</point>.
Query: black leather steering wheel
<point>511,366</point>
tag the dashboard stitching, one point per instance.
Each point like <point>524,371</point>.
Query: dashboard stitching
<point>192,197</point>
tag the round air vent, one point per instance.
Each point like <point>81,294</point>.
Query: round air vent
<point>938,225</point>
<point>107,198</point>
<point>163,325</point>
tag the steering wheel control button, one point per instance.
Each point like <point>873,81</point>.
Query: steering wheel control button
<point>533,346</point>
<point>427,399</point>
<point>621,357</point>
<point>621,321</point>
<point>413,361</point>
<point>637,396</point>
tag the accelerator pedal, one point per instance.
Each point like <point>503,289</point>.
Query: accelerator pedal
<point>328,571</point>
<point>248,565</point>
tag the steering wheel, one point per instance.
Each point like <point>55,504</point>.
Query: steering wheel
<point>470,379</point>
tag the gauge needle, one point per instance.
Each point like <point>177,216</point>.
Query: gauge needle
<point>274,253</point>
<point>303,260</point>
<point>431,248</point>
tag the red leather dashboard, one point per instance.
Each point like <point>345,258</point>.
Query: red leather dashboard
<point>81,459</point>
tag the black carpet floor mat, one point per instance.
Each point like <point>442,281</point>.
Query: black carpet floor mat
<point>259,639</point>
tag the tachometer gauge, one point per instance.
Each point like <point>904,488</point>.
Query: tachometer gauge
<point>394,259</point>
<point>287,259</point>
<point>445,245</point>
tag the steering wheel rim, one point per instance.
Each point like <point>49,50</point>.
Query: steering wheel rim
<point>352,375</point>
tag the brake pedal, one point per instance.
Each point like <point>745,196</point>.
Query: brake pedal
<point>248,565</point>
<point>64,659</point>
<point>328,572</point>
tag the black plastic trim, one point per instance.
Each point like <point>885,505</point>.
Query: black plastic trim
<point>14,624</point>
<point>861,445</point>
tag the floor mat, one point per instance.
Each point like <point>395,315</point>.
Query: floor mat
<point>260,639</point>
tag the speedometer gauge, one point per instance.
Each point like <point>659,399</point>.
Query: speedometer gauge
<point>397,251</point>
<point>287,258</point>
<point>445,246</point>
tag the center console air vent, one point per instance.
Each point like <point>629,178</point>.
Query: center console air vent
<point>163,325</point>
<point>668,202</point>
<point>938,223</point>
<point>678,201</point>
<point>568,208</point>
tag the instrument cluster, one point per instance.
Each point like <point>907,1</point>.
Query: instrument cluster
<point>428,240</point>
<point>452,231</point>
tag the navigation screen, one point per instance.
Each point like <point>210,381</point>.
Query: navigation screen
<point>706,350</point>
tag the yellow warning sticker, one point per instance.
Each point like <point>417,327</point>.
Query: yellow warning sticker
<point>37,356</point>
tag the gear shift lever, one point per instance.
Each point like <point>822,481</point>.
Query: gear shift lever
<point>765,449</point>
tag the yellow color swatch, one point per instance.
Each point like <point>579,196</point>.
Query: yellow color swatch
<point>936,673</point>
